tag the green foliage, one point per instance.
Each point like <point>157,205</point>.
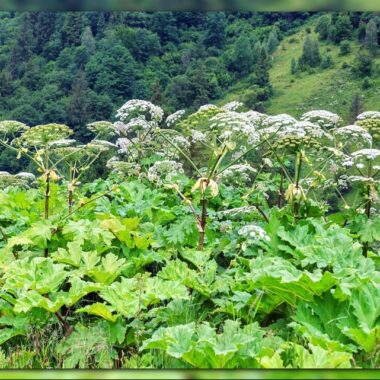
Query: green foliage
<point>259,249</point>
<point>310,53</point>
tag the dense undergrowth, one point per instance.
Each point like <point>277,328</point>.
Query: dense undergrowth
<point>220,239</point>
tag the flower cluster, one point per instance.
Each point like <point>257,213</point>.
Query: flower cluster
<point>273,123</point>
<point>30,177</point>
<point>162,172</point>
<point>232,125</point>
<point>201,118</point>
<point>255,117</point>
<point>140,108</point>
<point>232,106</point>
<point>122,167</point>
<point>43,135</point>
<point>369,154</point>
<point>238,174</point>
<point>100,146</point>
<point>300,133</point>
<point>20,179</point>
<point>71,154</point>
<point>353,135</point>
<point>368,115</point>
<point>134,125</point>
<point>125,145</point>
<point>11,127</point>
<point>174,117</point>
<point>197,136</point>
<point>253,232</point>
<point>372,125</point>
<point>361,158</point>
<point>62,143</point>
<point>102,129</point>
<point>324,119</point>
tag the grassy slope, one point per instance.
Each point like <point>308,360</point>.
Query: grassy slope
<point>331,89</point>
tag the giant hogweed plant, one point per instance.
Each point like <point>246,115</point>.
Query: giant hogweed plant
<point>54,155</point>
<point>267,292</point>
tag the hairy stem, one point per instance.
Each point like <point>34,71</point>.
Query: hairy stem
<point>202,225</point>
<point>281,190</point>
<point>296,206</point>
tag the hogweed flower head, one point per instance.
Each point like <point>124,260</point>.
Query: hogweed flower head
<point>353,135</point>
<point>97,146</point>
<point>140,108</point>
<point>272,124</point>
<point>122,167</point>
<point>174,117</point>
<point>372,125</point>
<point>43,135</point>
<point>102,129</point>
<point>62,143</point>
<point>255,117</point>
<point>368,115</point>
<point>324,119</point>
<point>165,171</point>
<point>18,180</point>
<point>301,133</point>
<point>233,125</point>
<point>12,127</point>
<point>238,174</point>
<point>253,232</point>
<point>232,106</point>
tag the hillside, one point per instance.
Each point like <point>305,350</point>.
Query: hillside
<point>331,89</point>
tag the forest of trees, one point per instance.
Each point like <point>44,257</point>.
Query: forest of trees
<point>79,67</point>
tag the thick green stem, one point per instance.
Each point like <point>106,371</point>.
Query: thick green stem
<point>281,190</point>
<point>296,206</point>
<point>202,225</point>
<point>47,195</point>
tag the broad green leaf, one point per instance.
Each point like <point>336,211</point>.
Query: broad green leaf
<point>109,269</point>
<point>369,230</point>
<point>99,309</point>
<point>320,358</point>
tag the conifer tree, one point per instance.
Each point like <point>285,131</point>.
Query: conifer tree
<point>371,38</point>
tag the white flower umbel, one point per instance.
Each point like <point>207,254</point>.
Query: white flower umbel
<point>140,108</point>
<point>353,134</point>
<point>278,121</point>
<point>207,107</point>
<point>233,125</point>
<point>122,167</point>
<point>124,144</point>
<point>163,172</point>
<point>30,177</point>
<point>253,232</point>
<point>181,142</point>
<point>368,115</point>
<point>43,135</point>
<point>325,119</point>
<point>100,145</point>
<point>102,129</point>
<point>368,154</point>
<point>12,127</point>
<point>298,134</point>
<point>62,143</point>
<point>255,117</point>
<point>134,125</point>
<point>7,180</point>
<point>237,174</point>
<point>197,136</point>
<point>232,106</point>
<point>174,117</point>
<point>362,159</point>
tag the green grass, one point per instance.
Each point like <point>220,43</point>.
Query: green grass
<point>331,89</point>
